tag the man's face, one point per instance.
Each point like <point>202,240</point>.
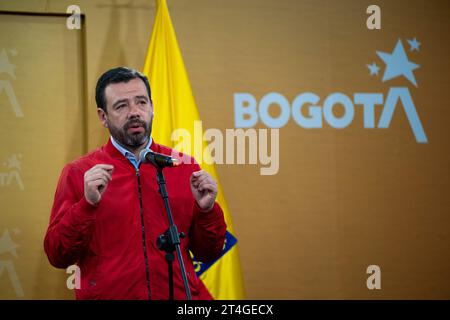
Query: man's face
<point>129,113</point>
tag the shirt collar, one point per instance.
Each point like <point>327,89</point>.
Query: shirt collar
<point>127,154</point>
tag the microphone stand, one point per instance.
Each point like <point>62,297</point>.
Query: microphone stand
<point>169,241</point>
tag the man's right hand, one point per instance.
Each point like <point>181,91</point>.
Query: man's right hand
<point>96,180</point>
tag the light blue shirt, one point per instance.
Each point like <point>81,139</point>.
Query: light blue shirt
<point>129,155</point>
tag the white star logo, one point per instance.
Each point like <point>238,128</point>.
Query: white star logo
<point>7,245</point>
<point>397,64</point>
<point>13,162</point>
<point>414,44</point>
<point>5,65</point>
<point>373,68</point>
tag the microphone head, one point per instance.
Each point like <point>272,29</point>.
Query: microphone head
<point>143,154</point>
<point>175,162</point>
<point>157,159</point>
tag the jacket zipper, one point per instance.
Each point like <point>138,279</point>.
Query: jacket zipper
<point>147,271</point>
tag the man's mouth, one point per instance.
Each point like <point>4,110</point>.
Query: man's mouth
<point>136,128</point>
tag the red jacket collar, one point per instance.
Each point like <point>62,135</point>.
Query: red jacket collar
<point>113,152</point>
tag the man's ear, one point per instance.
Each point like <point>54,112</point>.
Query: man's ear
<point>102,116</point>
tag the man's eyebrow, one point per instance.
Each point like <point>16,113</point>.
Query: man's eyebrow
<point>119,101</point>
<point>141,97</point>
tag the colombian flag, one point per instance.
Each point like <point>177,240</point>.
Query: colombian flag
<point>175,108</point>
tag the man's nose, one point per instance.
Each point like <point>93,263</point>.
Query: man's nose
<point>134,110</point>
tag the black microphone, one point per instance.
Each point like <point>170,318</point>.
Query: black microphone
<point>157,159</point>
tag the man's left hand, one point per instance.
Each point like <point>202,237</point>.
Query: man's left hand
<point>204,189</point>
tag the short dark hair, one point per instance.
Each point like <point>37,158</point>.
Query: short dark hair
<point>117,75</point>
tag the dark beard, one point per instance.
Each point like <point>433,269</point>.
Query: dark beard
<point>131,141</point>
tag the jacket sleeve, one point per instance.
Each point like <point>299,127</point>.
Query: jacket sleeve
<point>71,220</point>
<point>207,233</point>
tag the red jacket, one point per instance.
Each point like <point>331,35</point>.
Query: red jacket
<point>106,241</point>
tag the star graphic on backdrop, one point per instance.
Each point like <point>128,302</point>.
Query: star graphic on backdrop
<point>7,245</point>
<point>5,65</point>
<point>373,68</point>
<point>13,162</point>
<point>397,64</point>
<point>414,44</point>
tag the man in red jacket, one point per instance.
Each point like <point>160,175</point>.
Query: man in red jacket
<point>107,212</point>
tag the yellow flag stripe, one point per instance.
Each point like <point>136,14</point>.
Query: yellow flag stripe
<point>175,108</point>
